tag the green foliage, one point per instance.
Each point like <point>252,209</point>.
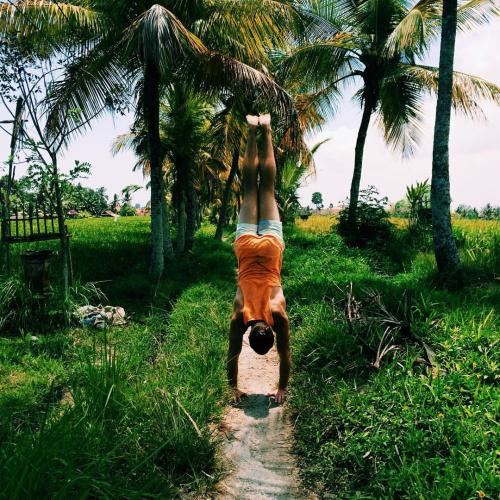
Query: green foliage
<point>127,210</point>
<point>405,430</point>
<point>401,208</point>
<point>418,197</point>
<point>73,400</point>
<point>23,311</point>
<point>419,231</point>
<point>467,212</point>
<point>480,250</point>
<point>317,199</point>
<point>490,212</point>
<point>138,398</point>
<point>292,176</point>
<point>373,228</point>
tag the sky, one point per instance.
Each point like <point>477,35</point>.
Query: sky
<point>474,145</point>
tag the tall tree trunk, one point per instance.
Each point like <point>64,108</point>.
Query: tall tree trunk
<point>65,259</point>
<point>191,213</point>
<point>238,202</point>
<point>168,249</point>
<point>445,248</point>
<point>180,247</point>
<point>358,166</point>
<point>181,197</point>
<point>227,194</point>
<point>10,178</point>
<point>152,114</point>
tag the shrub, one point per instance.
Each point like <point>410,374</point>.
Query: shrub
<point>373,229</point>
<point>127,211</point>
<point>21,310</point>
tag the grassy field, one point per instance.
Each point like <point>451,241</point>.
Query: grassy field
<point>130,411</point>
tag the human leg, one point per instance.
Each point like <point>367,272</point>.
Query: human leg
<point>269,216</point>
<point>249,208</point>
<point>268,208</point>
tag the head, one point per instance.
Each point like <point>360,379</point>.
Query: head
<point>261,337</point>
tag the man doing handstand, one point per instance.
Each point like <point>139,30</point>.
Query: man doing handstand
<point>259,302</point>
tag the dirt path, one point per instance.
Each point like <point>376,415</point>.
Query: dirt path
<point>258,436</point>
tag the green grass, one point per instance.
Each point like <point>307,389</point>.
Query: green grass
<point>140,419</point>
<point>130,411</point>
<point>401,431</point>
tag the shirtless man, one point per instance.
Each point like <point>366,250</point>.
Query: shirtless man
<point>259,302</point>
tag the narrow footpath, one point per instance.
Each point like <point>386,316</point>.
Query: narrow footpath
<point>258,436</point>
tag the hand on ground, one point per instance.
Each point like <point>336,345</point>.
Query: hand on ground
<point>237,395</point>
<point>253,121</point>
<point>265,120</point>
<point>279,396</point>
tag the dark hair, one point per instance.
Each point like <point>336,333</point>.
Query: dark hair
<point>261,337</point>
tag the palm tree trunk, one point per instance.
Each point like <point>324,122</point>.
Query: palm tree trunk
<point>62,231</point>
<point>358,166</point>
<point>191,213</point>
<point>445,248</point>
<point>238,202</point>
<point>152,115</point>
<point>181,225</point>
<point>181,212</point>
<point>168,249</point>
<point>227,194</point>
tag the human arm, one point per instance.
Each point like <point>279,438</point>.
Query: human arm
<point>236,331</point>
<point>282,329</point>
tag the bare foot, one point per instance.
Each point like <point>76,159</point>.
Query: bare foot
<point>237,395</point>
<point>265,121</point>
<point>279,396</point>
<point>253,121</point>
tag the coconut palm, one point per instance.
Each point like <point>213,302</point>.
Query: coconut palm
<point>445,248</point>
<point>227,132</point>
<point>143,44</point>
<point>185,119</point>
<point>375,45</point>
<point>185,122</point>
<point>136,141</point>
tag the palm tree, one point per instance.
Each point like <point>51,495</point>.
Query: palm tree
<point>445,248</point>
<point>376,44</point>
<point>227,131</point>
<point>128,191</point>
<point>185,118</point>
<point>122,44</point>
<point>185,121</point>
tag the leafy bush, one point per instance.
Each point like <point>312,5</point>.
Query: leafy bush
<point>23,311</point>
<point>373,229</point>
<point>127,211</point>
<point>467,212</point>
<point>84,214</point>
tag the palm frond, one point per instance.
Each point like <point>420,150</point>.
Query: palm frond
<point>316,147</point>
<point>475,13</point>
<point>319,63</point>
<point>215,73</point>
<point>468,90</point>
<point>87,89</point>
<point>123,142</point>
<point>33,16</point>
<point>246,29</point>
<point>52,27</point>
<point>227,129</point>
<point>416,29</point>
<point>400,112</point>
<point>158,35</point>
